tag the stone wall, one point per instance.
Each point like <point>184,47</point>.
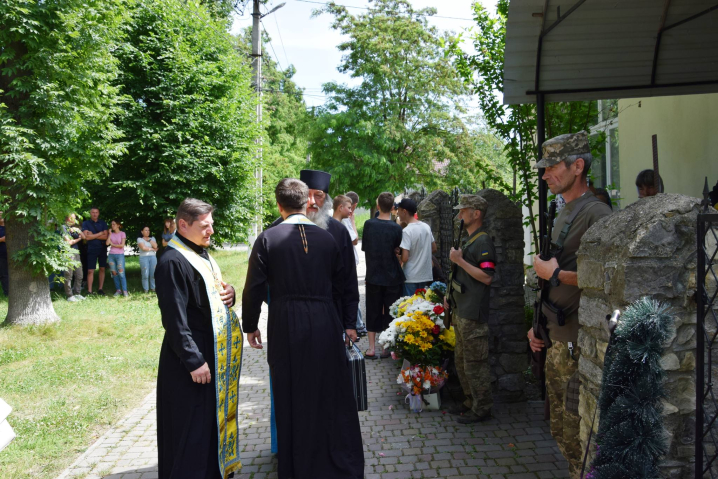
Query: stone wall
<point>647,249</point>
<point>506,319</point>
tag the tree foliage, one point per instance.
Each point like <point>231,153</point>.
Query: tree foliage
<point>189,122</point>
<point>58,103</point>
<point>402,126</point>
<point>483,73</point>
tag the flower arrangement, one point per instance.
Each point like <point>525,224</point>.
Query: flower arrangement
<point>422,380</point>
<point>418,335</point>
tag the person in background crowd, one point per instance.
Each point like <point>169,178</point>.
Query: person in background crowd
<point>417,246</point>
<point>96,233</point>
<point>3,259</point>
<point>148,259</point>
<point>342,206</point>
<point>384,277</point>
<point>73,236</point>
<point>437,272</point>
<point>713,196</point>
<point>646,186</point>
<point>604,196</point>
<point>351,226</point>
<point>168,231</point>
<point>116,259</point>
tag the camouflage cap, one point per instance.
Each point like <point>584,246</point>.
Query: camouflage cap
<point>557,149</point>
<point>472,201</point>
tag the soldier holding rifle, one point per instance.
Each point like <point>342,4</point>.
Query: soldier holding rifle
<point>470,288</point>
<point>566,160</point>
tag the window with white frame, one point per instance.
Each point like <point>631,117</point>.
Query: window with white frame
<point>605,172</point>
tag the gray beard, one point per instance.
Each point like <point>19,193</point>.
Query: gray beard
<point>321,217</point>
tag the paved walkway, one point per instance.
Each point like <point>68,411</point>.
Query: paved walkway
<point>398,444</point>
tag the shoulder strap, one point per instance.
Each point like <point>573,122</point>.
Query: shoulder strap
<point>582,202</point>
<point>474,238</point>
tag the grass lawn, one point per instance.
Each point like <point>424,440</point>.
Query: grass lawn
<point>68,382</point>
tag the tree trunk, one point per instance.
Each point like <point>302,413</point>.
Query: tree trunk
<point>29,299</point>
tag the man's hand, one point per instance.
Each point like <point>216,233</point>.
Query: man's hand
<point>535,343</point>
<point>255,340</point>
<point>456,255</point>
<point>202,375</point>
<point>227,294</point>
<point>545,269</point>
<point>446,304</point>
<point>88,234</point>
<point>351,334</point>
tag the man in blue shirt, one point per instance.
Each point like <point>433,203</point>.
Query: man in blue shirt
<point>96,233</point>
<point>3,258</point>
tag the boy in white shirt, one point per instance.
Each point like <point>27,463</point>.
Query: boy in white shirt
<point>417,246</point>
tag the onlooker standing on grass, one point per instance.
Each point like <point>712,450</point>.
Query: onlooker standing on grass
<point>384,277</point>
<point>116,241</point>
<point>3,259</point>
<point>96,233</point>
<point>148,259</point>
<point>73,236</point>
<point>417,246</point>
<point>169,231</point>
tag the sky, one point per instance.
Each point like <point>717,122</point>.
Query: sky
<point>311,45</point>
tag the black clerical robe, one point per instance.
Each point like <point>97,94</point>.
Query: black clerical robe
<point>349,301</point>
<point>317,420</point>
<point>186,413</point>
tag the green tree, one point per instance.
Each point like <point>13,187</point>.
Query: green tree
<point>57,106</point>
<point>483,72</point>
<point>402,126</point>
<point>189,124</point>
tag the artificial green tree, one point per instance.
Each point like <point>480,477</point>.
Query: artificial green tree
<point>631,438</point>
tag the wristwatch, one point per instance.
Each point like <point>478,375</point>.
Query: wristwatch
<point>554,281</point>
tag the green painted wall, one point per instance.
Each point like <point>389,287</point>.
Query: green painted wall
<point>687,129</point>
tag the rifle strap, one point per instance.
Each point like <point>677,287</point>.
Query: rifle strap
<point>580,204</point>
<point>588,444</point>
<point>473,238</point>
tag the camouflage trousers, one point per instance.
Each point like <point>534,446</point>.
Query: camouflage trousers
<point>471,355</point>
<point>563,402</point>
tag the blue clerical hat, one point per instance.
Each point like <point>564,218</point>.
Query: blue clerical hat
<point>316,180</point>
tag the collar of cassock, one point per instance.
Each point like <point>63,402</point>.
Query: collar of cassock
<point>200,250</point>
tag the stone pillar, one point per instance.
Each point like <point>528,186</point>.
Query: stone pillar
<point>507,328</point>
<point>647,249</point>
<point>436,211</point>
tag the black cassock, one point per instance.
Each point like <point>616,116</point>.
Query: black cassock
<point>317,420</point>
<point>349,303</point>
<point>186,413</point>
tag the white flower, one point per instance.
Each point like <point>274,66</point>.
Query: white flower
<point>427,384</point>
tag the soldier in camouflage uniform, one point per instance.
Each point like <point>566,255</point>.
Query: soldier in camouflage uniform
<point>471,288</point>
<point>566,160</point>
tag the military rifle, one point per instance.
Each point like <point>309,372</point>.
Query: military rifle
<point>450,288</point>
<point>538,359</point>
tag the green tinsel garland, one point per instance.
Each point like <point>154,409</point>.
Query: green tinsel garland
<point>631,438</point>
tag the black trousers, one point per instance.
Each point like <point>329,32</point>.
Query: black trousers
<point>378,300</point>
<point>4,278</point>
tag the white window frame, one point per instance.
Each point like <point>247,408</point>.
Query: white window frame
<point>606,125</point>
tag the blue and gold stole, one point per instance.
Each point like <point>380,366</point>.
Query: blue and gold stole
<point>228,345</point>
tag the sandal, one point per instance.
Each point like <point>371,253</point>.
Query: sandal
<point>370,356</point>
<point>385,355</point>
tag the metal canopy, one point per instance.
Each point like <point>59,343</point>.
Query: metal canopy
<point>608,49</point>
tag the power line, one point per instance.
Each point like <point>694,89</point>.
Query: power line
<point>281,41</point>
<point>367,8</point>
<point>275,53</point>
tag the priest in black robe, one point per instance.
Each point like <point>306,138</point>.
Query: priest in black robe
<point>316,412</point>
<point>319,211</point>
<point>187,431</point>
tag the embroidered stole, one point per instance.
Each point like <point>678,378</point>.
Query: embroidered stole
<point>228,345</point>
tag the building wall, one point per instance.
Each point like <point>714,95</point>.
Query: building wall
<point>687,129</point>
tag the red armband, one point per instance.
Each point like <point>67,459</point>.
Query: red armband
<point>487,265</point>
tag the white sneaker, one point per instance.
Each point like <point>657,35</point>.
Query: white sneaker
<point>118,293</point>
<point>73,299</point>
<point>79,297</point>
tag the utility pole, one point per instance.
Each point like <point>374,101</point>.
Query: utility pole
<point>257,73</point>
